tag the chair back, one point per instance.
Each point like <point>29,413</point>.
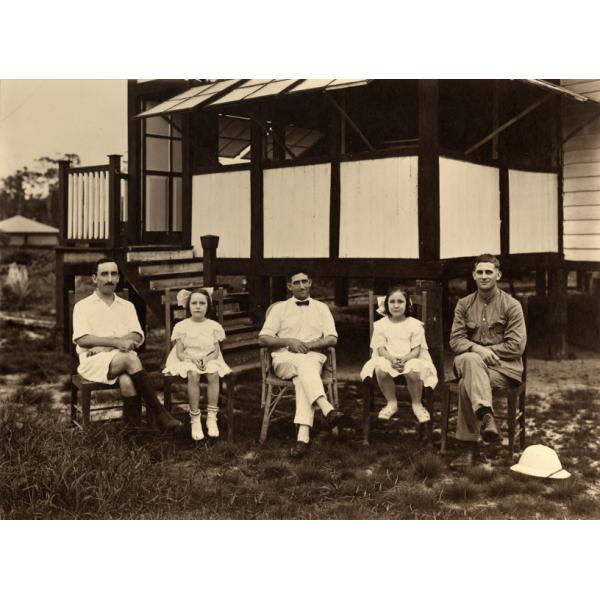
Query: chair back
<point>419,301</point>
<point>173,312</point>
<point>525,306</point>
<point>124,293</point>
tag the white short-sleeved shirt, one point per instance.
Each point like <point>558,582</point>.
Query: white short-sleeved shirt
<point>398,338</point>
<point>92,316</point>
<point>200,336</point>
<point>304,323</point>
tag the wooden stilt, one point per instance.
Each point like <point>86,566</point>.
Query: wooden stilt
<point>341,285</point>
<point>540,282</point>
<point>557,313</point>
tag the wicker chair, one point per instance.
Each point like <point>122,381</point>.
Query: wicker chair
<point>275,389</point>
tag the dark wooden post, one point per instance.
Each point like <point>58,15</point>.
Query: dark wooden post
<point>336,142</point>
<point>581,281</point>
<point>504,213</point>
<point>434,324</point>
<point>114,199</point>
<point>134,141</point>
<point>210,244</point>
<point>278,288</point>
<point>63,200</point>
<point>429,171</point>
<point>341,285</point>
<point>557,313</point>
<point>540,282</point>
<point>63,284</point>
<point>258,286</point>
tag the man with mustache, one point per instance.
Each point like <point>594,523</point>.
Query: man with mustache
<point>106,331</point>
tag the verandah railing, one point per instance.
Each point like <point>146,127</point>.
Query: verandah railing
<point>91,203</point>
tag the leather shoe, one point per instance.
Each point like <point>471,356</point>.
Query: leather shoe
<point>489,430</point>
<point>333,418</point>
<point>463,460</point>
<point>168,423</point>
<point>299,449</point>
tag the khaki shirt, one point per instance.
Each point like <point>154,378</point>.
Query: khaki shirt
<point>497,324</point>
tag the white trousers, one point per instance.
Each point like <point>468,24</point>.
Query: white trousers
<point>305,371</point>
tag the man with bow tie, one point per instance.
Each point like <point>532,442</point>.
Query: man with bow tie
<point>297,331</point>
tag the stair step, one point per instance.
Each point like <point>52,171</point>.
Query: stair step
<point>175,284</point>
<point>154,255</point>
<point>230,316</point>
<point>241,329</point>
<point>169,268</point>
<point>250,334</point>
<point>236,345</point>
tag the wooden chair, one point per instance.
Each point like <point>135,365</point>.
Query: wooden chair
<point>84,387</point>
<point>275,389</point>
<point>420,303</point>
<point>175,313</point>
<point>515,399</point>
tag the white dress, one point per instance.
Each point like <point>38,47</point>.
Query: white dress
<point>399,339</point>
<point>199,340</point>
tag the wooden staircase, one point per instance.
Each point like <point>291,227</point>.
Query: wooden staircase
<point>151,271</point>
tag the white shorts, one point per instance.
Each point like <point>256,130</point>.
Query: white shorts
<point>96,367</point>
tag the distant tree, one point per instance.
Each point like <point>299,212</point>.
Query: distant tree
<point>34,194</point>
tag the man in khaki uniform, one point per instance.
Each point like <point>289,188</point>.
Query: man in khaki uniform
<point>488,336</point>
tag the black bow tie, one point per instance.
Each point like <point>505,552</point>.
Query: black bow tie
<point>301,302</point>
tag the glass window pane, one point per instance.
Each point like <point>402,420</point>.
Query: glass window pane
<point>157,154</point>
<point>176,156</point>
<point>156,205</point>
<point>157,125</point>
<point>177,204</point>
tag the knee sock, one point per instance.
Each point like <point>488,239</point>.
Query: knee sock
<point>132,410</point>
<point>304,433</point>
<point>146,390</point>
<point>324,405</point>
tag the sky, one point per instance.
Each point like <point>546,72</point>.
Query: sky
<point>50,117</point>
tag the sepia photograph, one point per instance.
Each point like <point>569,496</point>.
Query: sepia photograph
<point>251,322</point>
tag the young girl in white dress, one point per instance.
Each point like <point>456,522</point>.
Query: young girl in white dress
<point>399,348</point>
<point>197,352</point>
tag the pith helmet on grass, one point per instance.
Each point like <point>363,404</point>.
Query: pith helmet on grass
<point>540,461</point>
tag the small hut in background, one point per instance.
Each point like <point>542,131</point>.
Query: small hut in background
<point>26,233</point>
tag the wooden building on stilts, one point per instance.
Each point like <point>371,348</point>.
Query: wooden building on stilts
<point>375,179</point>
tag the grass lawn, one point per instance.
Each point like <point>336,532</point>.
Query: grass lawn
<point>48,470</point>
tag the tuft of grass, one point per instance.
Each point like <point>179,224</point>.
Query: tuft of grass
<point>275,469</point>
<point>460,491</point>
<point>480,474</point>
<point>585,506</point>
<point>428,466</point>
<point>565,489</point>
<point>307,473</point>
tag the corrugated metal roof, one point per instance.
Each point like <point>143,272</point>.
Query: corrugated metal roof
<point>19,224</point>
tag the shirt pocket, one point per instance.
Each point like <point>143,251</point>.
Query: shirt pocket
<point>499,325</point>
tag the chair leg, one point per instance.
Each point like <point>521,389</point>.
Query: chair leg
<point>230,383</point>
<point>264,430</point>
<point>86,401</point>
<point>168,391</point>
<point>430,406</point>
<point>512,423</point>
<point>74,393</point>
<point>522,421</point>
<point>367,388</point>
<point>445,416</point>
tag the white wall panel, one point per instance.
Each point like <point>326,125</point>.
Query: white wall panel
<point>591,255</point>
<point>221,206</point>
<point>379,212</point>
<point>469,209</point>
<point>296,211</point>
<point>533,221</point>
